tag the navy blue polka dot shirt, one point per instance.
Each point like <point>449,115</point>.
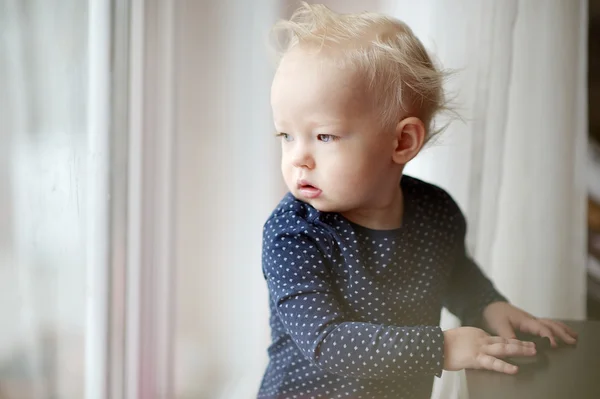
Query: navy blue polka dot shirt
<point>355,312</point>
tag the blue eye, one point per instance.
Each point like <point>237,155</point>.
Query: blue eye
<point>285,136</point>
<point>326,138</point>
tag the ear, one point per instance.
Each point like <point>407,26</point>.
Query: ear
<point>409,139</point>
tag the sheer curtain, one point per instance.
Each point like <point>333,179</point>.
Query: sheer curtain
<point>514,166</point>
<point>50,216</point>
<point>226,183</point>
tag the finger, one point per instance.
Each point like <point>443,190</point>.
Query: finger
<point>568,329</point>
<point>508,349</point>
<point>535,327</point>
<point>559,331</point>
<point>500,340</point>
<point>491,363</point>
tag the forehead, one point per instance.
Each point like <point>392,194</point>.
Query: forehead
<point>307,83</point>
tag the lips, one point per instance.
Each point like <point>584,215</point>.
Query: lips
<point>307,189</point>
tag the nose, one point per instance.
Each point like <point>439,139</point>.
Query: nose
<point>302,157</point>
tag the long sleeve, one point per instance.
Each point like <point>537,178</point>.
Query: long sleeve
<point>296,267</point>
<point>470,291</point>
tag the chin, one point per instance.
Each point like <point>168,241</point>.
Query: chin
<point>323,205</point>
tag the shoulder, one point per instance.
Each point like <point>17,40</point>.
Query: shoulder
<point>432,198</point>
<point>292,218</point>
<point>425,190</point>
<point>293,235</point>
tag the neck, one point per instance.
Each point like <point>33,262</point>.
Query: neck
<point>386,215</point>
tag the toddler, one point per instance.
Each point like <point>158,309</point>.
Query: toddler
<point>359,259</point>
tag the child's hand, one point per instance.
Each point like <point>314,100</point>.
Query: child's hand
<point>503,319</point>
<point>473,348</point>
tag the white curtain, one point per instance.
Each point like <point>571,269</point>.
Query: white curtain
<point>515,166</point>
<point>227,182</point>
<point>43,197</point>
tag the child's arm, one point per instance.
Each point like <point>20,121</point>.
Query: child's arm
<point>469,290</point>
<point>295,265</point>
<point>472,297</point>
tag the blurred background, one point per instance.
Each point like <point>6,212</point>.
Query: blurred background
<point>137,166</point>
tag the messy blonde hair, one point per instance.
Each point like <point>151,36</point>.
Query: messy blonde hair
<point>401,77</point>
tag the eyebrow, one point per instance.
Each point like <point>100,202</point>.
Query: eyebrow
<point>315,126</point>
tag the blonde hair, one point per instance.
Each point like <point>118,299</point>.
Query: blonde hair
<point>401,77</point>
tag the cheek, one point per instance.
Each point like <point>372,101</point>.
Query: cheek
<point>361,172</point>
<point>284,158</point>
<point>287,155</point>
<point>286,169</point>
<point>346,172</point>
<point>283,165</point>
<point>353,164</point>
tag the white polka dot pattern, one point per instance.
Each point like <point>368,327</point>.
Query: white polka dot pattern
<point>354,311</point>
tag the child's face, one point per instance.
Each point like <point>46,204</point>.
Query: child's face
<point>334,154</point>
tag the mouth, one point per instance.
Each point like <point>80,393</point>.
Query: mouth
<point>308,190</point>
